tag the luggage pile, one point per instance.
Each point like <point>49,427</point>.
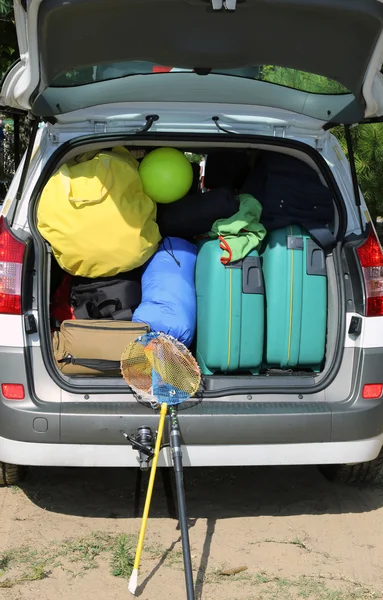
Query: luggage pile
<point>269,310</point>
<point>236,271</point>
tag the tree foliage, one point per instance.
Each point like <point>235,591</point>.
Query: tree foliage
<point>367,142</point>
<point>8,39</point>
<point>300,80</point>
<point>8,55</point>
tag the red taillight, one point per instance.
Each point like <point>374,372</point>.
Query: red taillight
<point>161,69</point>
<point>371,260</point>
<point>372,391</point>
<point>13,391</point>
<point>11,267</point>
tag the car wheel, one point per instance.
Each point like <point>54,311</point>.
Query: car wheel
<point>355,474</point>
<point>11,474</point>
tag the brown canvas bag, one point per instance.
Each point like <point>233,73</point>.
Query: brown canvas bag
<point>86,347</point>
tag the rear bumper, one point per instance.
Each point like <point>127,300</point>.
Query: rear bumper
<point>258,430</point>
<point>82,455</point>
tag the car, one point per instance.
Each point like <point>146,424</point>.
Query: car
<point>90,75</point>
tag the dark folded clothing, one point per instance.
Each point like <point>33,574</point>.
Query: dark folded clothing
<point>195,213</point>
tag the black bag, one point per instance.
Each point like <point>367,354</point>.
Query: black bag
<point>195,213</point>
<point>226,168</point>
<point>291,192</point>
<point>107,297</point>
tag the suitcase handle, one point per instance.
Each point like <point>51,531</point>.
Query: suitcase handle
<point>315,259</point>
<point>252,277</point>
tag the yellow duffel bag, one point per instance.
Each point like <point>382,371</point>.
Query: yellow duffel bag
<point>96,217</point>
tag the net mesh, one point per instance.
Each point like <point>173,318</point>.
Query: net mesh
<point>160,369</point>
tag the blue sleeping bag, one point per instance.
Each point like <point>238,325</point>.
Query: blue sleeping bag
<point>168,290</point>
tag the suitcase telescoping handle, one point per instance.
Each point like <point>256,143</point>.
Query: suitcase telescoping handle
<point>315,256</point>
<point>315,259</point>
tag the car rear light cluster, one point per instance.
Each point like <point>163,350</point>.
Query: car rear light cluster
<point>371,260</point>
<point>161,69</point>
<point>12,253</point>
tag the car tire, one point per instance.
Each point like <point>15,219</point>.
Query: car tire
<point>11,474</point>
<point>356,474</point>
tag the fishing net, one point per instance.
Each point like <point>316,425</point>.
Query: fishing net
<point>160,369</point>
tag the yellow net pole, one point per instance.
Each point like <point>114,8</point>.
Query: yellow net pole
<point>134,577</point>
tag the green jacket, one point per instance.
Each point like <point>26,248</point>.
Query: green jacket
<point>241,233</point>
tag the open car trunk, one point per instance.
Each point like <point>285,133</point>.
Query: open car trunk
<point>217,384</point>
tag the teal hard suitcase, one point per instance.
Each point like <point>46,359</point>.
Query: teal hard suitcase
<point>230,312</point>
<point>294,271</point>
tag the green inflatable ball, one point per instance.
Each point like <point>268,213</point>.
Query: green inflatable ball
<point>166,175</point>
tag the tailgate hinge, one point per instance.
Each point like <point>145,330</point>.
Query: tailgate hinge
<point>224,4</point>
<point>99,126</point>
<point>279,131</point>
<point>54,137</point>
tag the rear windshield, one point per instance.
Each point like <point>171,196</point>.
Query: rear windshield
<point>291,78</point>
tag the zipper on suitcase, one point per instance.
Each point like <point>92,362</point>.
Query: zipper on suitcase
<point>291,302</point>
<point>76,325</point>
<point>230,317</point>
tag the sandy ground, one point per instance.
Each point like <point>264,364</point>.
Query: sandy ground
<point>66,533</point>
